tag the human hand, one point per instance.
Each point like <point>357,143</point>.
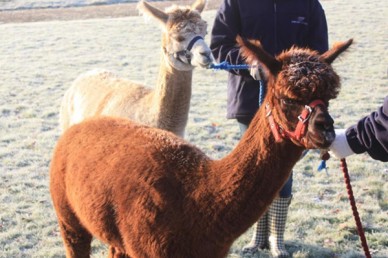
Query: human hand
<point>255,71</point>
<point>340,147</point>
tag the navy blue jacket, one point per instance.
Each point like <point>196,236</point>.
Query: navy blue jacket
<point>370,134</point>
<point>278,24</point>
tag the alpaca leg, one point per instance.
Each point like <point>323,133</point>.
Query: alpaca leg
<point>277,216</point>
<point>77,240</point>
<point>260,236</point>
<point>116,253</point>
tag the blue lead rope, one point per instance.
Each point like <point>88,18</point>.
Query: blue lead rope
<point>322,165</point>
<point>324,157</point>
<point>226,66</point>
<point>261,92</point>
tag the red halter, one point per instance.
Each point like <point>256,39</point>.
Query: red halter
<point>279,133</point>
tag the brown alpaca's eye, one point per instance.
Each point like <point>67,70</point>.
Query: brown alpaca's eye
<point>289,102</point>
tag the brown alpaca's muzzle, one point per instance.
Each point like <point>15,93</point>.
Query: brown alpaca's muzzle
<point>314,129</point>
<point>320,131</point>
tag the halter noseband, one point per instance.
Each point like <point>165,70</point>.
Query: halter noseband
<point>186,52</point>
<point>300,131</point>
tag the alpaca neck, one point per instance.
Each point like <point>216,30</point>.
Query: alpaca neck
<point>172,98</point>
<point>249,178</point>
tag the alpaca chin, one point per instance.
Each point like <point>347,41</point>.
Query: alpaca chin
<point>178,65</point>
<point>321,140</point>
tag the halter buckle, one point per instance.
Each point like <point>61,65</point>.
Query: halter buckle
<point>309,111</point>
<point>301,126</point>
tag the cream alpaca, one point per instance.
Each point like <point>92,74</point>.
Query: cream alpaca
<point>167,105</point>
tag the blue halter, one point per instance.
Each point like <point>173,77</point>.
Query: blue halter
<point>186,52</point>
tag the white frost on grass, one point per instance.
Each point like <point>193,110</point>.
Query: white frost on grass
<point>31,4</point>
<point>38,62</point>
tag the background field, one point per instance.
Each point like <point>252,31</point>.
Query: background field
<point>33,4</point>
<point>39,60</point>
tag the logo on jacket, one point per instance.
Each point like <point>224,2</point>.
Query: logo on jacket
<point>300,20</point>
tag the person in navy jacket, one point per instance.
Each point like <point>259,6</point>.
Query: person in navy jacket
<point>278,24</point>
<point>369,134</point>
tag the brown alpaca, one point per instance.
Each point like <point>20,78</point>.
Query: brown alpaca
<point>148,193</point>
<point>167,105</point>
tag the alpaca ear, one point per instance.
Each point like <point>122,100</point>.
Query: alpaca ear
<point>199,5</point>
<point>330,55</point>
<point>253,52</point>
<point>147,9</point>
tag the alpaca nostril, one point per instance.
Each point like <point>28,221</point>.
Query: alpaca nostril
<point>206,53</point>
<point>325,125</point>
<point>324,122</point>
<point>328,126</point>
<point>207,57</point>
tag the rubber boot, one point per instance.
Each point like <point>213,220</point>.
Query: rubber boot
<point>277,217</point>
<point>260,236</point>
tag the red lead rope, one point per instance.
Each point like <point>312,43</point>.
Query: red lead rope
<point>279,133</point>
<point>354,209</point>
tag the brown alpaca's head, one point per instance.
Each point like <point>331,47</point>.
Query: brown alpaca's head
<point>183,34</point>
<point>298,78</point>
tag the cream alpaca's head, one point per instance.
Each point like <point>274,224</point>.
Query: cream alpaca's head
<point>183,37</point>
